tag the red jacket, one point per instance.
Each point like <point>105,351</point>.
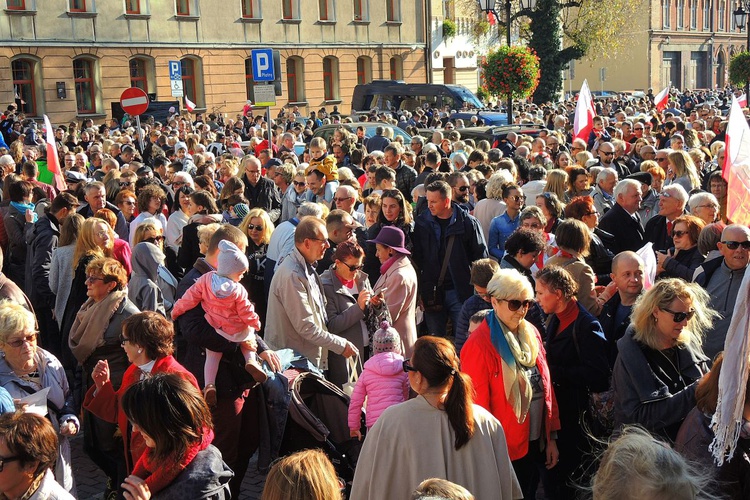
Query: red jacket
<point>481,361</point>
<point>106,404</point>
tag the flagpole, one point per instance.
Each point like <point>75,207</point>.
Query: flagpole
<point>140,131</point>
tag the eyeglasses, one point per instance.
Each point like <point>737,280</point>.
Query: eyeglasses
<point>337,200</point>
<point>251,227</point>
<point>734,245</point>
<point>154,239</point>
<point>30,338</point>
<point>123,339</point>
<point>407,367</point>
<point>678,234</point>
<point>594,212</point>
<point>353,268</point>
<point>515,305</point>
<point>128,202</point>
<point>299,184</point>
<point>660,159</point>
<point>5,460</point>
<point>94,278</point>
<point>679,317</point>
<point>252,171</point>
<point>637,129</point>
<point>319,239</point>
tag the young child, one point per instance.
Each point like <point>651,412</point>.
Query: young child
<point>325,163</point>
<point>228,310</point>
<point>383,380</point>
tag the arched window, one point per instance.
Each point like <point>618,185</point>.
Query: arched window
<point>25,85</point>
<point>192,79</point>
<point>139,73</point>
<point>330,78</point>
<point>397,68</point>
<point>295,79</point>
<point>84,74</point>
<point>364,70</point>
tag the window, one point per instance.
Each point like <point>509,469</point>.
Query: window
<point>693,14</point>
<point>183,9</point>
<point>83,73</point>
<point>139,74</point>
<point>720,16</point>
<point>393,11</point>
<point>77,5</point>
<point>16,4</point>
<point>449,9</point>
<point>295,79</point>
<point>326,9</point>
<point>251,9</point>
<point>361,12</point>
<point>24,85</point>
<point>364,70</point>
<point>188,78</point>
<point>132,6</point>
<point>397,68</point>
<point>330,78</point>
<point>680,14</point>
<point>249,82</point>
<point>290,9</point>
<point>706,14</point>
<point>665,13</point>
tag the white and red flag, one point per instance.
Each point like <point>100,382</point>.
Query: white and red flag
<point>736,168</point>
<point>583,120</point>
<point>190,105</point>
<point>661,99</point>
<point>53,160</point>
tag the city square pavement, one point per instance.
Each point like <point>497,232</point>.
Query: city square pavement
<point>91,482</point>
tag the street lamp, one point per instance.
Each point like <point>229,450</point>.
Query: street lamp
<point>488,6</point>
<point>740,19</point>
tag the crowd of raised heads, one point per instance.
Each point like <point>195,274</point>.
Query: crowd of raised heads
<point>484,312</point>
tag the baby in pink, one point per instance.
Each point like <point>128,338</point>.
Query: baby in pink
<point>228,310</point>
<point>383,381</point>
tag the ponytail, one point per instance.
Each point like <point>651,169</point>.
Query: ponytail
<point>459,407</point>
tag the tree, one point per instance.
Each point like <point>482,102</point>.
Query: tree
<point>739,69</point>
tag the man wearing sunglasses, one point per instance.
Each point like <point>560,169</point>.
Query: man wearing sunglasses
<point>721,277</point>
<point>658,229</point>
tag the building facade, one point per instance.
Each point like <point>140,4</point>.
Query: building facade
<point>70,59</point>
<point>682,43</point>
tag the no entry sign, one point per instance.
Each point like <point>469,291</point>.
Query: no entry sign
<point>134,101</point>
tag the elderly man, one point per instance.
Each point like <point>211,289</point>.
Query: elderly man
<point>622,220</point>
<point>260,191</point>
<point>672,203</point>
<point>296,305</point>
<point>721,277</point>
<point>603,196</point>
<point>345,199</point>
<point>95,195</point>
<point>405,175</point>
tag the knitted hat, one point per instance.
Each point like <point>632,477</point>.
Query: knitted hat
<point>241,210</point>
<point>231,259</point>
<point>386,339</point>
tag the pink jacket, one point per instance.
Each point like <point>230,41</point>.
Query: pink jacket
<point>227,308</point>
<point>384,383</point>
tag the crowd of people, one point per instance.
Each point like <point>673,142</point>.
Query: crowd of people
<point>499,308</point>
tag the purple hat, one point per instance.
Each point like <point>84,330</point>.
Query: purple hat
<point>392,237</point>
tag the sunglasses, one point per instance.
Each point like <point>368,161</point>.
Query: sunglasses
<point>463,188</point>
<point>299,184</point>
<point>251,227</point>
<point>5,460</point>
<point>515,305</point>
<point>679,317</point>
<point>595,212</point>
<point>128,203</point>
<point>734,245</point>
<point>337,200</point>
<point>353,268</point>
<point>123,339</point>
<point>154,239</point>
<point>407,367</point>
<point>660,159</point>
<point>30,338</point>
<point>607,153</point>
<point>678,234</point>
<point>518,198</point>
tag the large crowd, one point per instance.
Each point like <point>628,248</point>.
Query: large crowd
<point>524,313</point>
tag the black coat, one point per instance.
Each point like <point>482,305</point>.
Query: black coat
<point>683,265</point>
<point>600,256</point>
<point>627,231</point>
<point>656,233</point>
<point>41,240</point>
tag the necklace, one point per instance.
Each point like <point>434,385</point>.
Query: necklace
<point>675,368</point>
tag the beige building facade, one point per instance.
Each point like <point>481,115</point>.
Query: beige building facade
<point>682,43</point>
<point>70,59</point>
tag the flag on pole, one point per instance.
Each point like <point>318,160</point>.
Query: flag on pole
<point>53,160</point>
<point>583,120</point>
<point>190,105</point>
<point>736,168</point>
<point>661,99</point>
<point>742,100</point>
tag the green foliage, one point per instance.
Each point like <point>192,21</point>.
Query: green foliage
<point>511,70</point>
<point>483,94</point>
<point>449,28</point>
<point>481,28</point>
<point>739,69</point>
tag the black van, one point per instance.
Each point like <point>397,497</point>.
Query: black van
<point>397,95</point>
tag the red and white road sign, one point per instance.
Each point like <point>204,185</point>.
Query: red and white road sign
<point>134,101</point>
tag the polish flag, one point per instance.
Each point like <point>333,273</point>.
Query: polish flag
<point>660,101</point>
<point>742,100</point>
<point>583,120</point>
<point>492,18</point>
<point>53,161</point>
<point>736,168</point>
<point>190,105</point>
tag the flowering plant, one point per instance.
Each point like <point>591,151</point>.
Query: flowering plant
<point>511,70</point>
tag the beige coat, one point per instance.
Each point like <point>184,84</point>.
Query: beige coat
<point>401,299</point>
<point>414,441</point>
<point>295,320</point>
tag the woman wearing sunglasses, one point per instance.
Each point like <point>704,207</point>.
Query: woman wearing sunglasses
<point>683,258</point>
<point>506,361</point>
<point>660,361</point>
<point>26,368</point>
<point>258,227</point>
<point>578,364</point>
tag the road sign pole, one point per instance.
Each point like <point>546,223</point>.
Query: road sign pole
<point>140,132</point>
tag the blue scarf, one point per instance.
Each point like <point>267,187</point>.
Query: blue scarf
<point>22,207</point>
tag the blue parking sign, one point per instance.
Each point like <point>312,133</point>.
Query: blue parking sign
<point>263,65</point>
<point>175,70</point>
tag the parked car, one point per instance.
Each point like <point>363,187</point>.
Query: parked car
<point>326,131</point>
<point>491,134</point>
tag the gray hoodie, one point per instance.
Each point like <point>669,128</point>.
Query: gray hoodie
<point>143,289</point>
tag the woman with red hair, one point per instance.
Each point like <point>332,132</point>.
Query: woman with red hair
<point>600,256</point>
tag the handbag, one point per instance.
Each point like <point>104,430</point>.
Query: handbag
<point>351,367</point>
<point>600,406</point>
<point>433,298</point>
<point>374,316</point>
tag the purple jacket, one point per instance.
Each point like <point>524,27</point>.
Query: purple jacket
<point>384,383</point>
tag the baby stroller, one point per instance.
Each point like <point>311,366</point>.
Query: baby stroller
<point>318,419</point>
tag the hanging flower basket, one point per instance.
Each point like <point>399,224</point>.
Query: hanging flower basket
<point>449,28</point>
<point>511,70</point>
<point>739,69</point>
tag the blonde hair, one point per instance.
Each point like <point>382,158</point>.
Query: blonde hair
<point>557,182</point>
<point>660,296</point>
<point>205,232</point>
<point>267,224</point>
<point>14,318</point>
<point>148,224</point>
<point>307,474</point>
<point>436,488</point>
<point>86,244</point>
<point>683,165</point>
<point>510,284</point>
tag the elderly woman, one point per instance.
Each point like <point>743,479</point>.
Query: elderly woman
<point>258,227</point>
<point>600,256</point>
<point>704,206</point>
<point>95,336</point>
<point>397,285</point>
<point>348,293</point>
<point>394,211</point>
<point>148,341</point>
<point>26,368</point>
<point>502,357</point>
<point>28,447</point>
<point>683,259</point>
<point>493,205</point>
<point>660,360</point>
<point>578,363</point>
<point>574,239</point>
